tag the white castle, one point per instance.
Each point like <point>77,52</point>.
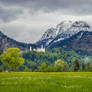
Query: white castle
<point>42,49</point>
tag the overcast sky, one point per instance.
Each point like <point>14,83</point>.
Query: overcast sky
<point>26,20</point>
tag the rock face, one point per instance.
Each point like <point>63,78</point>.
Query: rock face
<point>6,42</point>
<point>62,31</point>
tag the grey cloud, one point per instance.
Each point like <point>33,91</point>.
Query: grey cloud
<point>37,14</point>
<point>65,6</point>
<point>9,14</point>
<point>71,7</point>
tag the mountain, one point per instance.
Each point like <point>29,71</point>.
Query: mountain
<point>47,37</point>
<point>75,35</point>
<point>81,42</point>
<point>6,42</point>
<point>62,31</point>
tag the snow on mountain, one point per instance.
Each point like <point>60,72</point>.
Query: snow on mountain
<point>47,37</point>
<point>49,34</point>
<point>67,29</point>
<point>63,30</point>
<point>78,26</point>
<point>63,27</point>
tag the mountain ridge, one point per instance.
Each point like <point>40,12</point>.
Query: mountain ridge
<point>7,42</point>
<point>63,30</point>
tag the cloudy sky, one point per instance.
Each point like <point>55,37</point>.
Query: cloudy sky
<point>26,20</point>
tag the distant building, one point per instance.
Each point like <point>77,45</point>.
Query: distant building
<point>38,49</point>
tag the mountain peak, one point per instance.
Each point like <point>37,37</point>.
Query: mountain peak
<point>80,24</point>
<point>63,26</point>
<point>63,30</point>
<point>50,33</point>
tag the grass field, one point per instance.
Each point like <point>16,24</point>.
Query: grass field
<point>46,82</point>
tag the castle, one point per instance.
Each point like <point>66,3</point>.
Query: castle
<point>38,49</point>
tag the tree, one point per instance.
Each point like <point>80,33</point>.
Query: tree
<point>66,67</point>
<point>83,66</point>
<point>90,67</point>
<point>59,65</point>
<point>12,58</point>
<point>43,67</point>
<point>76,65</point>
<point>50,68</point>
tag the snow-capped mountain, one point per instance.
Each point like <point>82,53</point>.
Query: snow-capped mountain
<point>63,27</point>
<point>47,37</point>
<point>63,30</point>
<point>49,34</point>
<point>69,29</point>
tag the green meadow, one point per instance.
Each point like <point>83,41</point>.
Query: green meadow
<point>46,82</point>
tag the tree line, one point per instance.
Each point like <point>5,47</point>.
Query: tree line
<point>13,60</point>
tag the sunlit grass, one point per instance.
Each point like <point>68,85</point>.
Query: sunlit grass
<point>46,82</point>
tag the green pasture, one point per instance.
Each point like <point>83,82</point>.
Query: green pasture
<point>46,82</point>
